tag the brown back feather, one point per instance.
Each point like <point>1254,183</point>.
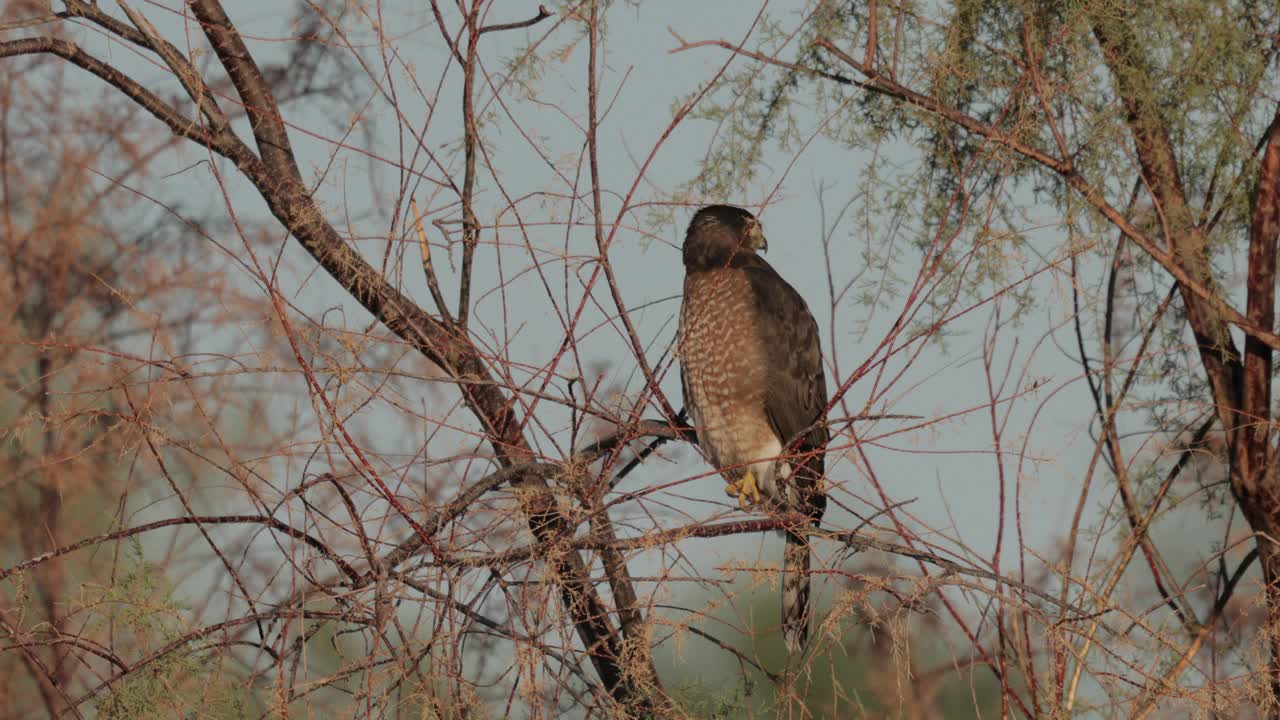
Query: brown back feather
<point>797,392</point>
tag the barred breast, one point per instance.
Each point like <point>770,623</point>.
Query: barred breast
<point>725,375</point>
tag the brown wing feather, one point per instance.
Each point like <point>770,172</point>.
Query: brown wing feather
<point>797,392</point>
<point>794,401</point>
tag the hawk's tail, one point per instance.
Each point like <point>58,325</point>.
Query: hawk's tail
<point>795,593</point>
<point>806,495</point>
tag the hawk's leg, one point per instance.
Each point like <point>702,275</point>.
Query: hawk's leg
<point>746,489</point>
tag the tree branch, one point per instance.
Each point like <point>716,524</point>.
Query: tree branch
<point>791,521</point>
<point>147,100</point>
<point>1264,227</point>
<point>263,520</point>
<point>543,14</point>
<point>615,566</point>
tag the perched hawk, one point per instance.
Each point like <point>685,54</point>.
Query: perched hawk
<point>751,369</point>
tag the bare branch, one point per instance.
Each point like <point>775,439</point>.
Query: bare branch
<point>543,14</point>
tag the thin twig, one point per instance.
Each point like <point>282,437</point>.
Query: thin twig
<point>543,14</point>
<point>424,248</point>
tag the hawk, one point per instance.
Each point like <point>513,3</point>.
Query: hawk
<point>751,371</point>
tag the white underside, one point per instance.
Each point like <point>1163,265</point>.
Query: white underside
<point>725,450</point>
<point>767,471</point>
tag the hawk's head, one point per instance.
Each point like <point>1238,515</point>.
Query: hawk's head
<point>719,232</point>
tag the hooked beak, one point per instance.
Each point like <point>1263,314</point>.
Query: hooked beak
<point>755,237</point>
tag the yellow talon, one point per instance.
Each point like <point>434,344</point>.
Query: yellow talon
<point>748,491</point>
<point>733,488</point>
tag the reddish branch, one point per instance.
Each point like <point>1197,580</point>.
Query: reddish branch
<point>796,522</point>
<point>630,620</point>
<point>263,520</point>
<point>1254,475</point>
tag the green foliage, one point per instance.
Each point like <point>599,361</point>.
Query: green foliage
<point>179,681</point>
<point>706,702</point>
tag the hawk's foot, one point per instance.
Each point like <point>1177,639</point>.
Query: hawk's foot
<point>746,489</point>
